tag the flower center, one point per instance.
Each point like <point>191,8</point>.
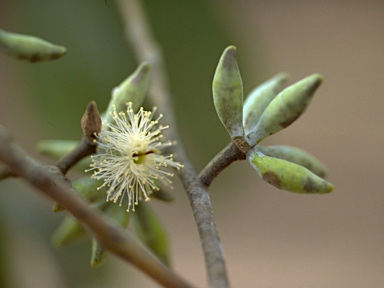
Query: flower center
<point>139,158</point>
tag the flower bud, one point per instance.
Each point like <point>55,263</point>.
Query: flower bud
<point>295,155</point>
<point>152,232</point>
<point>286,175</point>
<point>29,48</point>
<point>228,93</point>
<point>86,187</point>
<point>288,105</point>
<point>259,98</point>
<point>133,89</point>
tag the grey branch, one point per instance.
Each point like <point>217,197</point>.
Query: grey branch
<point>47,180</point>
<point>146,49</point>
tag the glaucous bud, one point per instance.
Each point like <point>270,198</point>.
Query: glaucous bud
<point>295,155</point>
<point>227,90</point>
<point>287,106</point>
<point>286,175</point>
<point>259,98</point>
<point>133,89</point>
<point>29,48</point>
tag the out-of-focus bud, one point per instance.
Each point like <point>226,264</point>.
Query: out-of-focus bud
<point>133,89</point>
<point>287,106</point>
<point>151,232</point>
<point>86,187</point>
<point>295,155</point>
<point>98,253</point>
<point>29,48</point>
<point>286,175</point>
<point>259,98</point>
<point>228,93</point>
<point>116,214</point>
<point>67,232</point>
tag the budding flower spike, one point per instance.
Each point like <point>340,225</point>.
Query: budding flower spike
<point>130,161</point>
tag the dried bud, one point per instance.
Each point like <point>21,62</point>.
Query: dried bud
<point>295,155</point>
<point>288,105</point>
<point>133,89</point>
<point>29,48</point>
<point>91,123</point>
<point>228,93</point>
<point>259,98</point>
<point>286,175</point>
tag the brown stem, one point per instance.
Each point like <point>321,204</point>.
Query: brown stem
<point>110,236</point>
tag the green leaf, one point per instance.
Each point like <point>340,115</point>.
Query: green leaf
<point>228,93</point>
<point>259,98</point>
<point>286,175</point>
<point>29,48</point>
<point>152,232</point>
<point>288,105</point>
<point>295,155</point>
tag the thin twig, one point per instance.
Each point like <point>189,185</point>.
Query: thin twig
<point>146,49</point>
<point>221,161</point>
<point>82,150</point>
<point>110,236</point>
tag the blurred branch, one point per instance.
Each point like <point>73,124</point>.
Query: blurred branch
<point>141,39</point>
<point>110,236</point>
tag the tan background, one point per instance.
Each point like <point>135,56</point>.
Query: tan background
<point>273,238</point>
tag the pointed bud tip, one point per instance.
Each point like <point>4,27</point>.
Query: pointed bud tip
<point>230,53</point>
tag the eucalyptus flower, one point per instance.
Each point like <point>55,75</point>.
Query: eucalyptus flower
<point>130,159</point>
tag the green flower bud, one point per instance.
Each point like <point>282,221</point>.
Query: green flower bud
<point>133,89</point>
<point>67,232</point>
<point>29,48</point>
<point>118,216</point>
<point>228,93</point>
<point>286,175</point>
<point>295,155</point>
<point>151,232</point>
<point>288,105</point>
<point>259,98</point>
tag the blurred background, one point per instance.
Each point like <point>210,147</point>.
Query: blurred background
<point>271,238</point>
